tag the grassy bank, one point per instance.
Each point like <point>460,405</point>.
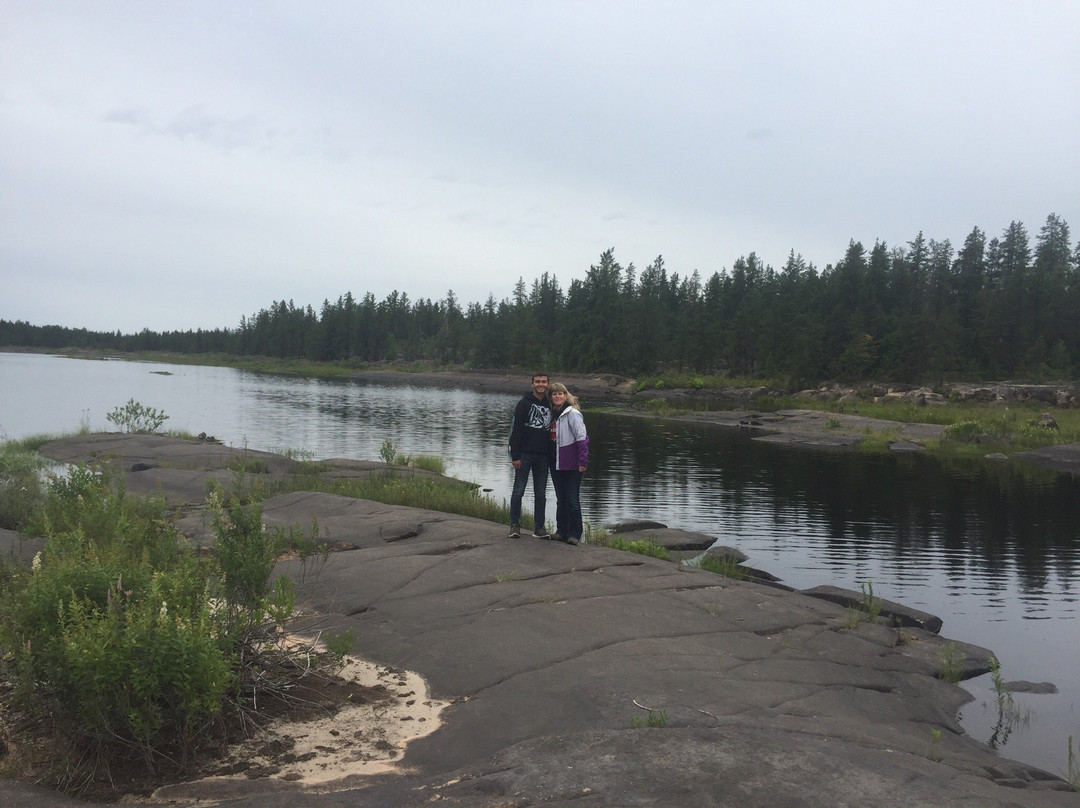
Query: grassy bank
<point>970,427</point>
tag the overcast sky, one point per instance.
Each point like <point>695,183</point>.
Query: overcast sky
<point>174,165</point>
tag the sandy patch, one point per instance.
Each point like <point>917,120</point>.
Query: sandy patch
<point>329,752</point>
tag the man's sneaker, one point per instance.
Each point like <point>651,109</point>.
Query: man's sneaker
<point>515,532</point>
<point>573,541</point>
<point>541,534</point>
<point>557,537</point>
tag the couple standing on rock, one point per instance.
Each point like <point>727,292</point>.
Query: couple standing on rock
<point>548,433</point>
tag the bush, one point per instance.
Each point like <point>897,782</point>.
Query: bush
<point>964,431</point>
<point>112,631</point>
<point>127,639</point>
<point>134,417</point>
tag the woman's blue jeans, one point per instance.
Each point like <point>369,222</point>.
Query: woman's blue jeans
<point>567,484</point>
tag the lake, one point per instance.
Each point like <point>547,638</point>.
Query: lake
<point>992,548</point>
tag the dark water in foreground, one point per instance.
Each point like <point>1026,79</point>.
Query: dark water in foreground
<point>993,548</point>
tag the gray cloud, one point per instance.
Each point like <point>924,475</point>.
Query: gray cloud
<point>261,152</point>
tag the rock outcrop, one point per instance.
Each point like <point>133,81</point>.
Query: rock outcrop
<point>554,656</point>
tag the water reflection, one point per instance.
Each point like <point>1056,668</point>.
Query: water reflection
<point>900,512</point>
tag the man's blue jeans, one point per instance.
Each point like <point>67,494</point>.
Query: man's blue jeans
<point>537,466</point>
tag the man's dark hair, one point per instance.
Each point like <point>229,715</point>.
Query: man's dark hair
<point>539,373</point>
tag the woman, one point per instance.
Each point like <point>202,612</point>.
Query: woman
<point>570,457</point>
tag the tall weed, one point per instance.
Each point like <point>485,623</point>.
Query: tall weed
<point>21,489</point>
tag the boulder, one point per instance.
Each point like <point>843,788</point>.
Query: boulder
<point>723,551</point>
<point>1046,421</point>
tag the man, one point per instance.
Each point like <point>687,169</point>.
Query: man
<point>530,437</point>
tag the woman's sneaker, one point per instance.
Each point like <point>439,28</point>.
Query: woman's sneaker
<point>515,532</point>
<point>541,534</point>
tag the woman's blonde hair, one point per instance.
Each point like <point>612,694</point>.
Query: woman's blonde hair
<point>559,387</point>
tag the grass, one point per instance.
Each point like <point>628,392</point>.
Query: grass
<point>639,546</point>
<point>448,496</point>
<point>867,610</point>
<point>21,491</point>
<point>933,749</point>
<point>1011,427</point>
<point>721,565</point>
<point>656,719</point>
<point>972,428</point>
<point>427,462</point>
<point>878,442</point>
<point>952,664</point>
<point>247,465</point>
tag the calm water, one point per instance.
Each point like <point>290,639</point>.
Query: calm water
<point>994,549</point>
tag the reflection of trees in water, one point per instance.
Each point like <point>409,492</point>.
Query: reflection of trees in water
<point>971,515</point>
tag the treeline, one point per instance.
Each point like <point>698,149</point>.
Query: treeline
<point>996,308</point>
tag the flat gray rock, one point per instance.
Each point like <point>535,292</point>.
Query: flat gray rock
<point>549,653</point>
<point>820,440</point>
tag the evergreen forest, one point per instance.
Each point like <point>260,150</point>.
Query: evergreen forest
<point>1002,307</point>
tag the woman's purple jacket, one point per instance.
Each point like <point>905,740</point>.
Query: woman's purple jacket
<point>571,441</point>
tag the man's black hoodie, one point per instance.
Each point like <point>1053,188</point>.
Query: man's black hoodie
<point>531,431</point>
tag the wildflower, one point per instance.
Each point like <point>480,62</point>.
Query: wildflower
<point>35,565</point>
<point>164,612</point>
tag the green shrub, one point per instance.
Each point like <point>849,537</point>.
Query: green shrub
<point>129,641</point>
<point>111,631</point>
<point>134,417</point>
<point>964,431</point>
<point>388,452</point>
<point>340,644</point>
<point>244,550</point>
